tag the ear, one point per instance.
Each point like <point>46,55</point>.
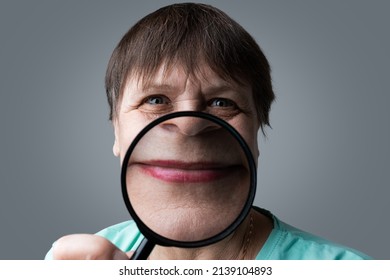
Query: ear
<point>116,147</point>
<point>256,155</point>
<point>257,149</point>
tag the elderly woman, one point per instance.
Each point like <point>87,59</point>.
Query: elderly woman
<point>193,57</point>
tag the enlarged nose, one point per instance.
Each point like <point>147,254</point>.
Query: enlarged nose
<point>190,126</point>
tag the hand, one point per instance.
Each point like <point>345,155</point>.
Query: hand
<point>87,247</point>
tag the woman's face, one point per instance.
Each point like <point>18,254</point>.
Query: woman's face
<point>187,178</point>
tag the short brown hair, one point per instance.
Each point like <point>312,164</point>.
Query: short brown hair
<point>190,33</point>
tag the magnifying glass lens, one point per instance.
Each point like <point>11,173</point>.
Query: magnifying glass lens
<point>188,180</point>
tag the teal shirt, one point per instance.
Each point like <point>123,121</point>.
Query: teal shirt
<point>284,243</point>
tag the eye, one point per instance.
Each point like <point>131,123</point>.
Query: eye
<point>156,100</point>
<point>223,107</point>
<point>221,102</point>
<point>155,105</point>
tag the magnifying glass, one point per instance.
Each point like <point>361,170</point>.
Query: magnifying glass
<point>188,180</point>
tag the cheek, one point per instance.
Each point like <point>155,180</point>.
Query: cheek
<point>127,131</point>
<point>248,130</point>
<point>253,145</point>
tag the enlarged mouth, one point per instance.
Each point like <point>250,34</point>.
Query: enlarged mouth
<point>186,172</point>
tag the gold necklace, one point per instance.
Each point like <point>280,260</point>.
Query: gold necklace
<point>248,236</point>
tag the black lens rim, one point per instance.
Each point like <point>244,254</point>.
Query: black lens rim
<point>161,240</point>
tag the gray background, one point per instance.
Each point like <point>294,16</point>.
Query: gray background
<point>324,165</point>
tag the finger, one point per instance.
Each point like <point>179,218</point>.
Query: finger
<point>129,254</point>
<point>86,247</point>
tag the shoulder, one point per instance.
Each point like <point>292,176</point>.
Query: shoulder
<point>289,243</point>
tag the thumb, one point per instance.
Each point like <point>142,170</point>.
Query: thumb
<point>86,247</point>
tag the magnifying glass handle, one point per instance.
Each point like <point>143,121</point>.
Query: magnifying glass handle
<point>143,250</point>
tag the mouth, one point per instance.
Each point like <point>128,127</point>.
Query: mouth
<point>186,172</point>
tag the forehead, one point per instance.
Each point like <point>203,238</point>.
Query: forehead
<point>177,75</point>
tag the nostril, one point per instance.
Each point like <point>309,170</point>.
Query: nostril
<point>189,126</point>
<point>170,127</point>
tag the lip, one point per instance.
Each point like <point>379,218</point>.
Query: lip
<point>186,172</point>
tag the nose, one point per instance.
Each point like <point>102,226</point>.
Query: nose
<point>190,126</point>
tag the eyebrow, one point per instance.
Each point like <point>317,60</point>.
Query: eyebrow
<point>151,87</point>
<point>212,89</point>
<point>220,88</point>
